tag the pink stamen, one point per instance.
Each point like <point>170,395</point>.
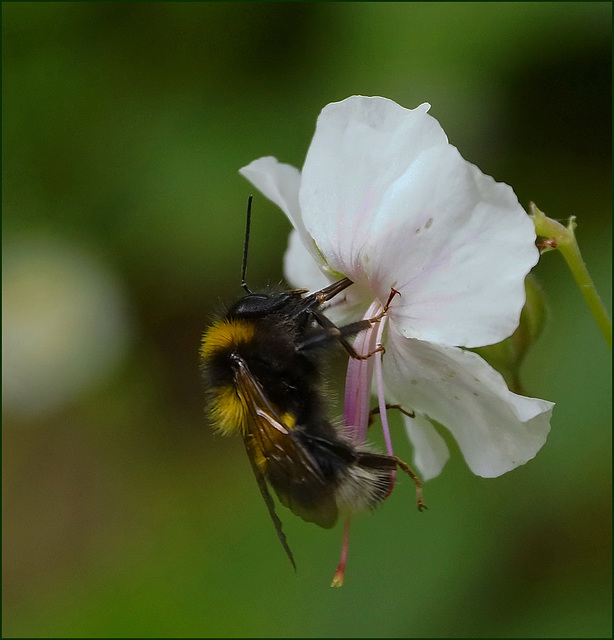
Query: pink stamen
<point>340,571</point>
<point>381,399</point>
<point>358,383</point>
<point>356,410</point>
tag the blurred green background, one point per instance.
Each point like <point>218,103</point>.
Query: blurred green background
<point>124,125</point>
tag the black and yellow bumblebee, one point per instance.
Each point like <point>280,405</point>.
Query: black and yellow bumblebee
<point>262,364</point>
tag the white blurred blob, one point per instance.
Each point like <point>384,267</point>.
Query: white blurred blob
<point>64,324</point>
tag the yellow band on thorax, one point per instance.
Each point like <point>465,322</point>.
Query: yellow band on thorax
<point>225,334</point>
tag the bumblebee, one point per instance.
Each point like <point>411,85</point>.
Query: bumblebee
<point>262,363</point>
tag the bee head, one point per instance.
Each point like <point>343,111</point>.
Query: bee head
<point>258,304</point>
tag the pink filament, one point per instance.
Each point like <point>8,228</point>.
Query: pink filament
<point>358,382</point>
<point>381,398</point>
<point>356,408</point>
<point>340,571</point>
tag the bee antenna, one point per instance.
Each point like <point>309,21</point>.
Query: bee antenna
<point>246,243</point>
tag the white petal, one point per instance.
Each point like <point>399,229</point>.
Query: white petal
<point>300,267</point>
<point>303,271</point>
<point>360,147</point>
<point>390,203</point>
<point>458,246</point>
<point>430,449</point>
<point>280,183</point>
<point>496,429</point>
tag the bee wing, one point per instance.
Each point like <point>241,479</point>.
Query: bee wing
<point>268,500</point>
<point>279,456</point>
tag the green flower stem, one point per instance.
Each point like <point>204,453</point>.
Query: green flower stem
<point>564,239</point>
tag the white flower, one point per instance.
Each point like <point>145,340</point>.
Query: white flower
<point>385,200</point>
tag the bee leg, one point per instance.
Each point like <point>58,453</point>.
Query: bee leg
<point>331,332</point>
<point>410,472</point>
<point>382,461</point>
<point>375,411</point>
